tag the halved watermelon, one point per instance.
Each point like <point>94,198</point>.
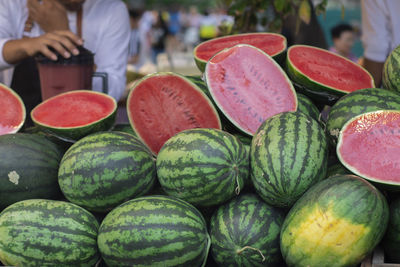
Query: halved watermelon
<point>320,70</point>
<point>12,111</point>
<point>163,104</point>
<point>271,43</point>
<point>75,114</point>
<point>249,86</point>
<point>369,146</point>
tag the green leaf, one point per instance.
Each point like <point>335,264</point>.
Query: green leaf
<point>305,12</point>
<point>321,7</point>
<point>279,5</point>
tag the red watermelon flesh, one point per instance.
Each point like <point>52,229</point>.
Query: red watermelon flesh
<point>270,43</point>
<point>164,104</point>
<point>74,109</point>
<point>249,86</point>
<point>12,111</point>
<point>369,146</point>
<point>329,69</point>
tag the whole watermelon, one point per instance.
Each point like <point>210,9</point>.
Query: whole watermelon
<point>337,222</point>
<point>305,105</point>
<point>203,166</point>
<point>391,71</point>
<point>288,155</point>
<point>245,232</point>
<point>28,168</point>
<point>154,231</point>
<point>391,241</point>
<point>357,103</point>
<point>41,232</point>
<point>104,169</point>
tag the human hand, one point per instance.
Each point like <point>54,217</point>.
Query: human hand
<point>64,42</point>
<point>49,14</point>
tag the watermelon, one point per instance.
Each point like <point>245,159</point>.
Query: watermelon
<point>154,231</point>
<point>320,70</point>
<point>12,111</point>
<point>248,91</point>
<point>306,106</point>
<point>357,103</point>
<point>369,146</point>
<point>338,222</point>
<point>271,43</point>
<point>391,241</point>
<point>245,232</point>
<point>75,114</point>
<point>391,71</point>
<point>164,104</point>
<point>203,166</point>
<point>41,232</point>
<point>28,168</point>
<point>104,169</point>
<point>336,169</point>
<point>288,155</point>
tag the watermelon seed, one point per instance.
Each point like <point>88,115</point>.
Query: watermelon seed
<point>255,249</point>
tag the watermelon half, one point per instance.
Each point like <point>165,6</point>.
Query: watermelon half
<point>163,104</point>
<point>321,71</point>
<point>369,146</point>
<point>271,43</point>
<point>12,111</point>
<point>249,86</point>
<point>75,114</point>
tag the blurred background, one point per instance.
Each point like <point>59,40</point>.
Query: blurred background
<point>165,32</point>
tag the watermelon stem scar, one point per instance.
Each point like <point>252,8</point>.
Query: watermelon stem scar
<point>207,251</point>
<point>248,247</point>
<point>237,189</point>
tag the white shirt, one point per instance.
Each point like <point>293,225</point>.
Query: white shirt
<point>105,30</point>
<point>380,28</point>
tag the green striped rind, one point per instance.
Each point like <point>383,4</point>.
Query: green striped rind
<point>11,91</point>
<point>391,241</point>
<point>104,169</point>
<point>154,231</point>
<point>391,71</point>
<point>76,133</point>
<point>203,166</point>
<point>359,102</point>
<point>310,84</point>
<point>305,105</point>
<point>201,64</point>
<point>28,168</point>
<point>197,80</point>
<point>246,221</point>
<point>288,155</point>
<point>41,232</point>
<point>338,222</point>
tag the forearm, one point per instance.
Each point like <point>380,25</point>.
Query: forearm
<point>375,68</point>
<point>15,51</point>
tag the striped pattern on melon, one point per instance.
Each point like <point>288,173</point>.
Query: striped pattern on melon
<point>203,166</point>
<point>288,155</point>
<point>41,232</point>
<point>305,105</point>
<point>391,71</point>
<point>104,169</point>
<point>245,232</point>
<point>359,102</point>
<point>154,231</point>
<point>28,168</point>
<point>338,222</point>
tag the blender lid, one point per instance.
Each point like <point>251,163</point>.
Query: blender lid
<point>85,57</point>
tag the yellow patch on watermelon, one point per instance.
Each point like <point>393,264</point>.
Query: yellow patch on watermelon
<point>321,236</point>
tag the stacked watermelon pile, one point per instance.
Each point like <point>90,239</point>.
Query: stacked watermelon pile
<point>234,168</point>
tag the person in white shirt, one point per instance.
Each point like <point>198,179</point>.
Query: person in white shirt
<point>29,27</point>
<point>380,33</point>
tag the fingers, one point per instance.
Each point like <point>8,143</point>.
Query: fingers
<point>75,38</point>
<point>64,42</point>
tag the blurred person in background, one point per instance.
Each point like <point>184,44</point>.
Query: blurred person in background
<point>145,24</point>
<point>134,42</point>
<point>192,23</point>
<point>29,27</point>
<point>343,41</point>
<point>159,32</point>
<point>380,33</point>
<point>208,26</point>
